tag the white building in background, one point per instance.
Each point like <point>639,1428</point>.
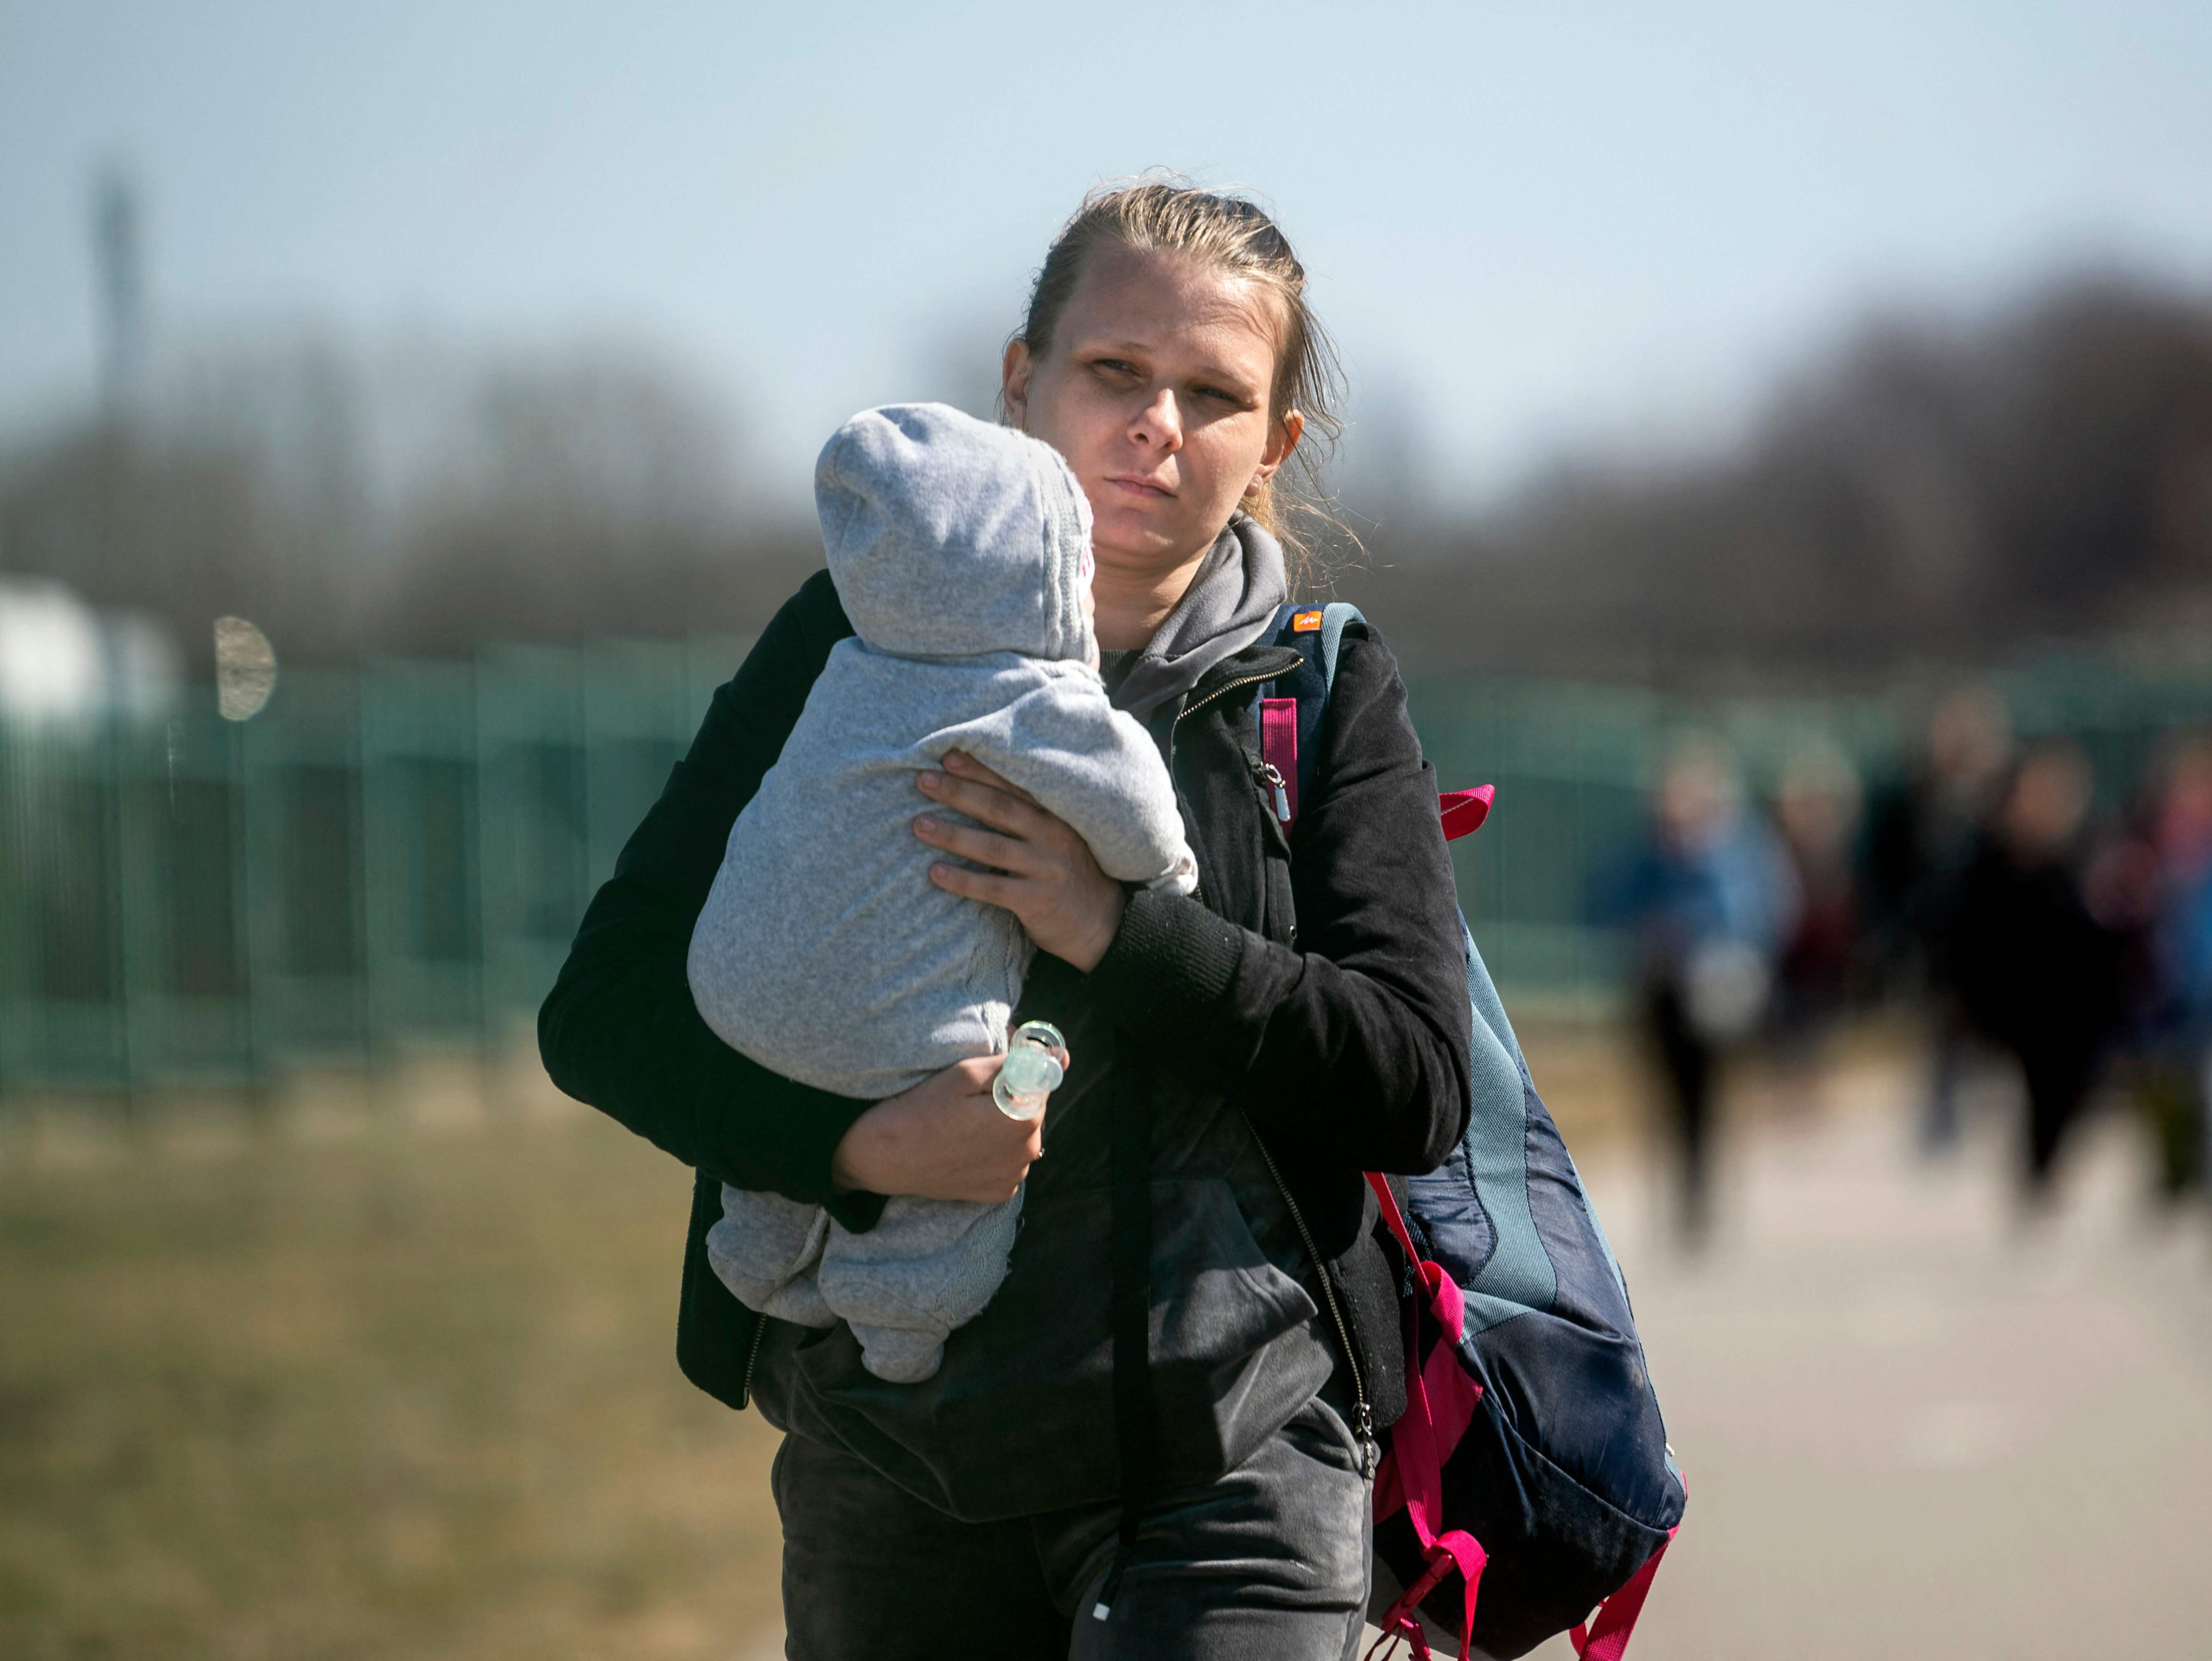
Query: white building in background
<point>63,664</point>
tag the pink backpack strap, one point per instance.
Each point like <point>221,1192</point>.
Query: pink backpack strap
<point>1279,749</point>
<point>1464,811</point>
<point>1440,1401</point>
<point>1606,1635</point>
<point>1445,1300</point>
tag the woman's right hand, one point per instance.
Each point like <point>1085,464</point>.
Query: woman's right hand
<point>943,1140</point>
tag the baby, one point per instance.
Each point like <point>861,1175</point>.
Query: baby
<point>962,553</point>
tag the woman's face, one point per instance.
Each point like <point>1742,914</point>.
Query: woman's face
<point>1155,386</point>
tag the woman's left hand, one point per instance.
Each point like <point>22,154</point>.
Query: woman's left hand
<point>1038,868</point>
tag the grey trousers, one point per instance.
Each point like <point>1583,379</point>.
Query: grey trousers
<point>1267,1563</point>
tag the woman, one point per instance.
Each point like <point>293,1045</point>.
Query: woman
<point>1158,1439</point>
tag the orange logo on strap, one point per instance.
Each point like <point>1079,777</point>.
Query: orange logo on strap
<point>1305,623</point>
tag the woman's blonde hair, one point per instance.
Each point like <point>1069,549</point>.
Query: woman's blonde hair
<point>1168,213</point>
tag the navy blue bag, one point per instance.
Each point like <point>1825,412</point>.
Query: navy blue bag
<point>1530,1481</point>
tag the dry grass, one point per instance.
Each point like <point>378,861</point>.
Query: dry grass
<point>401,1393</point>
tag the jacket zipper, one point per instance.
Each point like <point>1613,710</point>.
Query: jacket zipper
<point>1370,1452</point>
<point>1223,692</point>
<point>1268,774</point>
<point>752,1359</point>
<point>1214,697</point>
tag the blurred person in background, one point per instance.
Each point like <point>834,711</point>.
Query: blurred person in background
<point>2167,887</point>
<point>2036,971</point>
<point>1922,834</point>
<point>1816,812</point>
<point>1709,898</point>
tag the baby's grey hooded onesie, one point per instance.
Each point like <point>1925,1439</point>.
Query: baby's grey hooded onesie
<point>962,553</point>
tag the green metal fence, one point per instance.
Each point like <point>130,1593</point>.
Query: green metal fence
<point>382,858</point>
<point>397,855</point>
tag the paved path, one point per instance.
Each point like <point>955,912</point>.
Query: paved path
<point>1912,1427</point>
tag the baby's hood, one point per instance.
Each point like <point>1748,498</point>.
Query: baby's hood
<point>948,535</point>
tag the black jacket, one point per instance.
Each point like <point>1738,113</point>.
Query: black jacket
<point>1316,985</point>
<point>2035,970</point>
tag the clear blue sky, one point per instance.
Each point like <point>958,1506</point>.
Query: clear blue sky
<point>1533,225</point>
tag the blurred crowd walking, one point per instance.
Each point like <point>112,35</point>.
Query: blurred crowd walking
<point>1981,892</point>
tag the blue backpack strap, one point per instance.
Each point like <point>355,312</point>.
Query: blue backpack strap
<point>1333,617</point>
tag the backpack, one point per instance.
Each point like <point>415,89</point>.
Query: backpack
<point>1530,1478</point>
